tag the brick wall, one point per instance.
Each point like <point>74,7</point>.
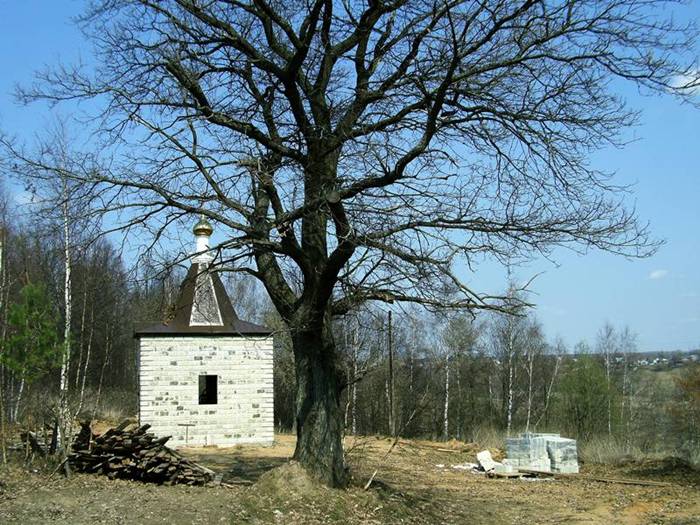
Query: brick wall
<point>169,370</point>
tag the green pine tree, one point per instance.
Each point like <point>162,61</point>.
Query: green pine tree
<point>33,347</point>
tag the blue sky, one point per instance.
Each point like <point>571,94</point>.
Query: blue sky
<point>657,298</point>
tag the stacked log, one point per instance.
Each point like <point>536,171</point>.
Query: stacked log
<point>128,451</point>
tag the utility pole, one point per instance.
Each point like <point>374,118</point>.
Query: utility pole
<point>392,418</point>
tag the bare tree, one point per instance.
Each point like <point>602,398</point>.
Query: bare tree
<point>354,376</point>
<point>64,416</point>
<point>353,151</point>
<point>534,349</point>
<point>507,340</point>
<point>459,339</point>
<point>627,346</point>
<point>559,350</point>
<point>607,346</point>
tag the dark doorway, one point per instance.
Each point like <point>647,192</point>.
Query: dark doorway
<point>208,390</point>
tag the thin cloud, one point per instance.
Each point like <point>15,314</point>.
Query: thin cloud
<point>658,274</point>
<point>555,310</point>
<point>688,82</point>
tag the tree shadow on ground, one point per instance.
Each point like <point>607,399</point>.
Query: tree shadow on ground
<point>249,469</point>
<point>236,468</point>
<point>669,468</point>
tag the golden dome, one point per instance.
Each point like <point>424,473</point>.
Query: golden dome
<point>203,227</point>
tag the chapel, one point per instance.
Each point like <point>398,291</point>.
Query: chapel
<point>204,375</point>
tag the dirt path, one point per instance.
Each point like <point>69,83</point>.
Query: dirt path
<point>416,484</point>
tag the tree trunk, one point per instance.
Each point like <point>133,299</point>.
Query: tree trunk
<point>607,380</point>
<point>491,402</point>
<point>3,444</point>
<point>64,409</point>
<point>82,338</point>
<point>319,417</point>
<point>3,447</point>
<point>460,401</point>
<point>510,376</point>
<point>354,381</point>
<point>548,394</point>
<point>108,353</point>
<point>348,401</point>
<point>18,400</point>
<point>390,384</point>
<point>530,364</point>
<point>626,400</point>
<point>509,398</point>
<point>87,357</point>
<point>446,408</point>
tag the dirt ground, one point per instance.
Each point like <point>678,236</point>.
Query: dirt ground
<point>416,483</point>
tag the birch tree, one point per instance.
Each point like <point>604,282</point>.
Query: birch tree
<point>534,350</point>
<point>607,345</point>
<point>459,339</point>
<point>64,426</point>
<point>60,211</point>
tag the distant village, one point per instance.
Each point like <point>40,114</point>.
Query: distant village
<point>663,360</point>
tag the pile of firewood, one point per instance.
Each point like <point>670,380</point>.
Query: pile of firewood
<point>128,451</point>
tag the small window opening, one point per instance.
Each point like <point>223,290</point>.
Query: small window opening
<point>208,390</point>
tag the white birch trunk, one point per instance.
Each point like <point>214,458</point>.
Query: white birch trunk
<point>624,416</point>
<point>446,412</point>
<point>549,391</point>
<point>87,358</point>
<point>64,415</point>
<point>491,403</point>
<point>511,377</point>
<point>460,401</point>
<point>348,400</point>
<point>15,409</point>
<point>626,402</point>
<point>3,448</point>
<point>607,380</point>
<point>530,363</point>
<point>390,386</point>
<point>82,339</point>
<point>509,401</point>
<point>354,383</point>
<point>108,351</point>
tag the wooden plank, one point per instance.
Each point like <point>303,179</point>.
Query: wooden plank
<point>640,482</point>
<point>493,474</point>
<point>545,473</point>
<point>622,481</point>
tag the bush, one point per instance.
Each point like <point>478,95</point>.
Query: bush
<point>584,398</point>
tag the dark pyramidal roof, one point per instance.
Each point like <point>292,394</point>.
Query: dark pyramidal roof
<point>203,308</point>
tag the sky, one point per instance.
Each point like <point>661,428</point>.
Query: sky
<point>657,298</point>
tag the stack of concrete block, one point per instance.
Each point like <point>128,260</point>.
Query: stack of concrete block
<point>563,455</point>
<point>528,451</point>
<point>545,452</point>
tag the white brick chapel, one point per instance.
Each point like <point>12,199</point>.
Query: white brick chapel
<point>205,376</point>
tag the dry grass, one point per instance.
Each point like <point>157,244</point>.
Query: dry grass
<point>416,483</point>
<point>606,450</point>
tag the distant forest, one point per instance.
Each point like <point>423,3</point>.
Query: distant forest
<point>415,373</point>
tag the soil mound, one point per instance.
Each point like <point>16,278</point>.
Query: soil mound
<point>289,479</point>
<point>668,468</point>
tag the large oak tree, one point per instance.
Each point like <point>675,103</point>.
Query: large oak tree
<point>355,150</point>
